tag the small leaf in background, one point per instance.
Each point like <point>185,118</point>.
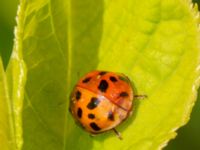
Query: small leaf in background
<point>155,43</point>
<point>6,126</point>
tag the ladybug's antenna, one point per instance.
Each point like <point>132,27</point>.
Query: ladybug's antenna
<point>118,134</point>
<point>140,96</point>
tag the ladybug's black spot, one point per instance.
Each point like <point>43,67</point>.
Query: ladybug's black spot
<point>79,112</point>
<point>103,86</point>
<point>78,95</point>
<point>94,126</point>
<point>102,73</point>
<point>111,116</point>
<point>113,79</point>
<point>93,103</point>
<point>91,116</point>
<point>123,94</point>
<point>86,80</point>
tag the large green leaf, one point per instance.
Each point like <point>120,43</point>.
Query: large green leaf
<point>154,42</point>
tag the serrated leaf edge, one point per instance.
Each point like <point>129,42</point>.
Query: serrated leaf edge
<point>193,7</point>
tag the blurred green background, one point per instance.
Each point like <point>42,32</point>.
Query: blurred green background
<point>188,136</point>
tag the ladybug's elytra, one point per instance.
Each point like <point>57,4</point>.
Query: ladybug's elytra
<point>102,100</point>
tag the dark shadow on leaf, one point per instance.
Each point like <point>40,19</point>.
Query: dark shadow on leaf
<point>54,54</point>
<point>87,32</point>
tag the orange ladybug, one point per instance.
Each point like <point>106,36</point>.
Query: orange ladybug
<point>102,100</point>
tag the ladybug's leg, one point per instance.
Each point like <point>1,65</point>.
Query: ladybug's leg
<point>92,135</point>
<point>118,134</point>
<point>140,96</point>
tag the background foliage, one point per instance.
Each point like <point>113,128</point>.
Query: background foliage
<point>188,136</point>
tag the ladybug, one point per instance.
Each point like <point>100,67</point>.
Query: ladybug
<point>102,100</point>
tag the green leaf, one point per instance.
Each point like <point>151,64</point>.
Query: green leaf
<point>154,42</point>
<point>9,116</point>
<point>16,78</point>
<point>6,130</point>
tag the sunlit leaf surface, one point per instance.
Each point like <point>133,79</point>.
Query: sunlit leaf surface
<point>154,42</point>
